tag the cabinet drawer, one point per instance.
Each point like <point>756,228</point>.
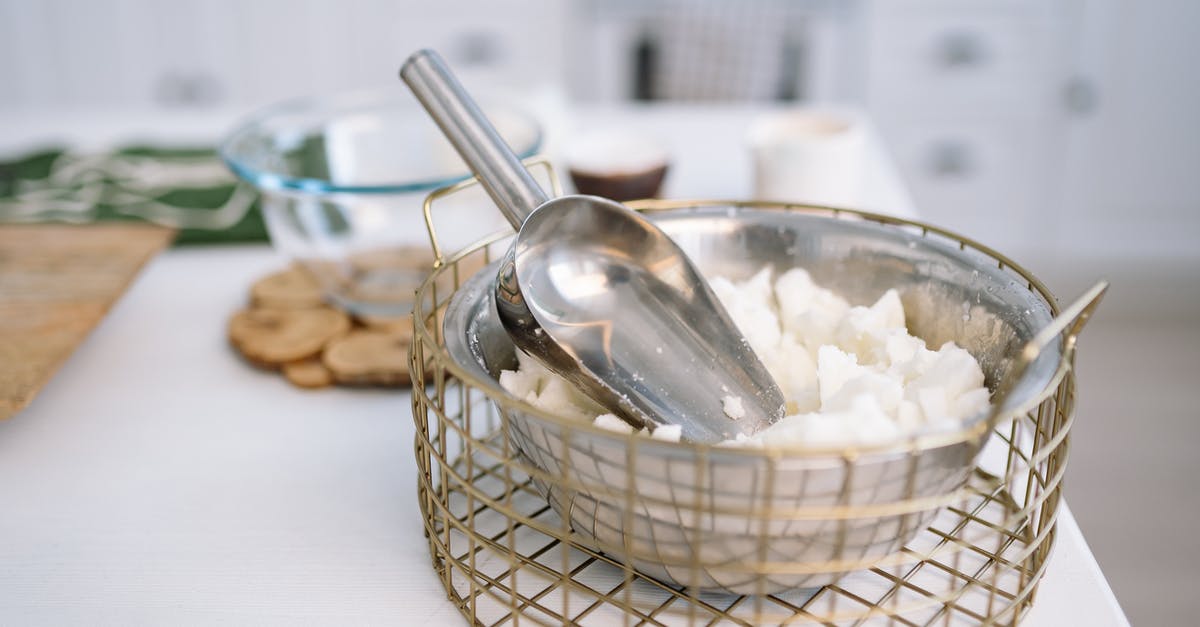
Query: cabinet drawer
<point>983,181</point>
<point>963,63</point>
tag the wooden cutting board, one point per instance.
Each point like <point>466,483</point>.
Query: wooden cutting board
<point>56,283</point>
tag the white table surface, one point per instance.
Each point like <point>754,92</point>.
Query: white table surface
<point>158,479</point>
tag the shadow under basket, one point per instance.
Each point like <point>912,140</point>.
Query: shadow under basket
<point>533,518</point>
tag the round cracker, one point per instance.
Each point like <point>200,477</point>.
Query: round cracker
<point>294,288</point>
<point>399,325</point>
<point>369,357</point>
<point>273,337</point>
<point>309,373</point>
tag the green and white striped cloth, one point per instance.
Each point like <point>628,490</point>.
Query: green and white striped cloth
<point>185,188</point>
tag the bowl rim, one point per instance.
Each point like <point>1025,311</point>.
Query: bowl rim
<point>973,429</point>
<point>339,104</point>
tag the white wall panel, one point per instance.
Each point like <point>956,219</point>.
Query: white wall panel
<point>31,56</point>
<point>75,54</point>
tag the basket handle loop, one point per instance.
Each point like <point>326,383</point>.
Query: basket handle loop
<point>1072,320</point>
<point>439,257</point>
<point>1068,324</point>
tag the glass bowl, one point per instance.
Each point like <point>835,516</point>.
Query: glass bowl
<point>343,178</point>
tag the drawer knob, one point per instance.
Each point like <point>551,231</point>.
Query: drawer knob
<point>185,89</point>
<point>959,50</point>
<point>1081,96</point>
<point>951,159</point>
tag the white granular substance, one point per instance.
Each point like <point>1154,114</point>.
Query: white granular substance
<point>851,375</point>
<point>732,406</point>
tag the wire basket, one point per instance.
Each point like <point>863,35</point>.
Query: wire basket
<point>505,554</point>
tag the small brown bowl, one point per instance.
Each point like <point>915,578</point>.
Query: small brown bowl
<point>621,186</point>
<point>617,165</point>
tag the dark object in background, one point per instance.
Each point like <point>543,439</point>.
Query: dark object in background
<point>644,62</point>
<point>616,164</point>
<point>706,52</point>
<point>622,186</point>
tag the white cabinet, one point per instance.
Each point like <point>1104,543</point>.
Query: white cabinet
<point>1066,131</point>
<point>1130,186</point>
<point>968,95</point>
<point>962,62</point>
<point>979,177</point>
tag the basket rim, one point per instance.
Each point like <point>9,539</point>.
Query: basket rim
<point>972,429</point>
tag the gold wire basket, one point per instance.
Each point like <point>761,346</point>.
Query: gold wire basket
<point>976,548</point>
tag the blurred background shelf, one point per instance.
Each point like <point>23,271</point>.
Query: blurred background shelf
<point>1062,130</point>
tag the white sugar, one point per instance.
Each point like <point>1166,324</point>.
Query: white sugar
<point>732,406</point>
<point>851,375</point>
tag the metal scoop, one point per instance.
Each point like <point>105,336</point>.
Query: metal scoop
<point>600,295</point>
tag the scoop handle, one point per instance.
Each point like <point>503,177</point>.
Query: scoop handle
<point>473,136</point>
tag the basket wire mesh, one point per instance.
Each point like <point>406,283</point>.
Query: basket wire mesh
<point>505,556</point>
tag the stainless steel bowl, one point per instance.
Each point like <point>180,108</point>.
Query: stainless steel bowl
<point>755,521</point>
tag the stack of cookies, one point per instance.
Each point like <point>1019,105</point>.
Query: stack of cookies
<point>289,328</point>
